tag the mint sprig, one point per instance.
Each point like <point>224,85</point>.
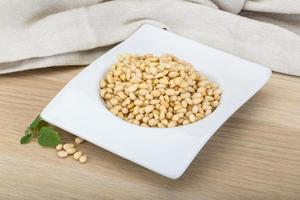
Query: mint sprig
<point>26,139</point>
<point>36,123</point>
<point>45,133</point>
<point>48,137</point>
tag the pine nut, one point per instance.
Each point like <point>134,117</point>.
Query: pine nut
<point>217,91</point>
<point>138,102</point>
<point>132,88</point>
<point>192,118</point>
<point>172,124</point>
<point>205,108</point>
<point>207,112</point>
<point>195,109</point>
<point>71,150</point>
<point>78,140</point>
<point>153,70</point>
<point>143,92</point>
<point>62,154</point>
<point>173,74</point>
<point>185,122</point>
<point>102,83</point>
<point>83,159</point>
<point>152,122</point>
<point>170,92</point>
<point>149,108</point>
<point>59,147</point>
<point>77,155</point>
<point>214,104</point>
<point>68,145</point>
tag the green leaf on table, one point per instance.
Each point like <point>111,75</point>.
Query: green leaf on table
<point>37,123</point>
<point>26,139</point>
<point>48,137</point>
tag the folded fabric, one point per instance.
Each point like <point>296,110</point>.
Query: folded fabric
<point>44,33</point>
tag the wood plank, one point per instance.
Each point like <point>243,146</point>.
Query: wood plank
<point>254,155</point>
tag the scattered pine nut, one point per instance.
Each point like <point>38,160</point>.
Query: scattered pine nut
<point>59,147</point>
<point>71,150</point>
<point>78,140</point>
<point>62,154</point>
<point>83,159</point>
<point>77,155</point>
<point>68,145</point>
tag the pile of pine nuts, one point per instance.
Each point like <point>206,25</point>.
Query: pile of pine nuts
<point>64,150</point>
<point>154,91</point>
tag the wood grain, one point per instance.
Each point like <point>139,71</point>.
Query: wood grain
<point>254,155</point>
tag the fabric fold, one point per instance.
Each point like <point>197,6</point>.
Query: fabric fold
<point>36,34</point>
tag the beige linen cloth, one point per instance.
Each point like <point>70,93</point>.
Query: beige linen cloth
<point>43,33</point>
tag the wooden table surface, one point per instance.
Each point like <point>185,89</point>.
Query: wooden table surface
<point>254,155</point>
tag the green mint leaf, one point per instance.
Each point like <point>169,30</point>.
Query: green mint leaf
<point>48,137</point>
<point>35,122</point>
<point>26,139</point>
<point>35,126</point>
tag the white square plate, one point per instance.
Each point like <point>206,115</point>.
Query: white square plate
<point>78,109</point>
